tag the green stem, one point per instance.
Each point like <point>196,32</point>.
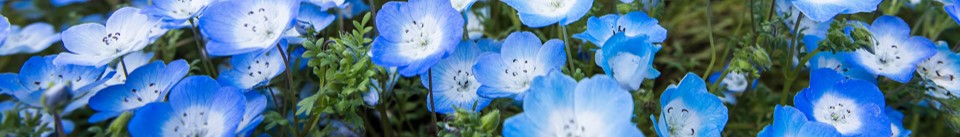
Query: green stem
<point>58,124</point>
<point>433,105</point>
<point>291,92</point>
<point>713,48</point>
<point>384,123</point>
<point>790,77</point>
<point>208,66</point>
<point>567,44</point>
<point>123,65</point>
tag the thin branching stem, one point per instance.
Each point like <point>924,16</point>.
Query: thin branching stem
<point>713,47</point>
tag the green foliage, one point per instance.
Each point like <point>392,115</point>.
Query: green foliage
<point>839,41</point>
<point>17,123</point>
<point>465,123</point>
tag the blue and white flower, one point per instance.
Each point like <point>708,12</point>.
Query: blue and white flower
<point>475,21</point>
<point>313,16</point>
<point>943,70</point>
<point>828,100</point>
<point>253,69</point>
<point>840,64</point>
<point>896,52</point>
<point>4,27</point>
<point>415,35</point>
<point>688,109</point>
<point>327,3</point>
<point>176,12</point>
<point>511,72</point>
<point>93,44</point>
<point>628,60</point>
<point>147,84</point>
<point>40,73</point>
<point>112,76</point>
<point>252,116</point>
<point>824,10</point>
<point>632,24</point>
<point>790,122</point>
<point>455,85</point>
<point>595,107</point>
<point>462,5</point>
<point>540,13</point>
<point>896,122</point>
<point>197,106</point>
<point>241,26</point>
<point>30,39</point>
<point>810,28</point>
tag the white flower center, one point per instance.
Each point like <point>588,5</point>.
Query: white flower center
<point>552,7</point>
<point>839,112</point>
<point>522,72</point>
<point>186,8</point>
<point>421,38</point>
<point>936,70</point>
<point>195,121</point>
<point>112,40</point>
<point>259,23</point>
<point>681,121</point>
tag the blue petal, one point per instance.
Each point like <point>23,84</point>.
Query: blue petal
<point>599,29</point>
<point>576,12</point>
<point>314,17</point>
<point>552,55</point>
<point>551,94</point>
<point>890,26</point>
<point>101,116</point>
<point>520,45</point>
<point>817,129</point>
<point>603,96</point>
<point>10,83</point>
<point>150,120</point>
<point>38,72</point>
<point>953,11</point>
<point>824,77</point>
<point>639,24</point>
<point>224,24</point>
<point>253,69</point>
<point>489,73</point>
<point>255,105</point>
<point>521,125</point>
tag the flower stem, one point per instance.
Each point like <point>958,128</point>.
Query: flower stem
<point>123,65</point>
<point>713,48</point>
<point>791,75</point>
<point>58,124</point>
<point>291,92</point>
<point>567,44</point>
<point>208,66</point>
<point>433,106</point>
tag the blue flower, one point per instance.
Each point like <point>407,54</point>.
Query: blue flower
<point>943,69</point>
<point>953,10</point>
<point>810,28</point>
<point>475,21</point>
<point>454,83</point>
<point>840,64</point>
<point>628,60</point>
<point>197,106</point>
<point>92,44</point>
<point>148,84</point>
<point>896,122</point>
<point>821,10</point>
<point>112,76</point>
<point>30,39</point>
<point>4,28</point>
<point>633,24</point>
<point>829,100</point>
<point>312,16</point>
<point>60,3</point>
<point>511,72</point>
<point>790,122</point>
<point>562,107</point>
<point>253,69</point>
<point>896,52</point>
<point>241,26</point>
<point>175,12</point>
<point>540,13</point>
<point>252,117</point>
<point>734,81</point>
<point>354,8</point>
<point>415,35</point>
<point>688,109</point>
<point>40,73</point>
<point>327,3</point>
<point>462,5</point>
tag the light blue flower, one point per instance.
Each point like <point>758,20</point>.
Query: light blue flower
<point>148,84</point>
<point>840,64</point>
<point>943,69</point>
<point>455,85</point>
<point>511,72</point>
<point>252,116</point>
<point>415,35</point>
<point>896,122</point>
<point>824,10</point>
<point>112,76</point>
<point>4,27</point>
<point>354,8</point>
<point>595,107</point>
<point>93,44</point>
<point>177,11</point>
<point>327,3</point>
<point>40,73</point>
<point>828,100</point>
<point>628,60</point>
<point>312,16</point>
<point>241,26</point>
<point>953,10</point>
<point>197,106</point>
<point>896,52</point>
<point>30,39</point>
<point>688,109</point>
<point>462,5</point>
<point>810,27</point>
<point>475,21</point>
<point>633,24</point>
<point>790,122</point>
<point>735,82</point>
<point>253,69</point>
<point>61,3</point>
<point>540,13</point>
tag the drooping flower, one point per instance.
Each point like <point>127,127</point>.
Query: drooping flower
<point>829,100</point>
<point>896,122</point>
<point>455,85</point>
<point>147,84</point>
<point>253,69</point>
<point>197,106</point>
<point>511,72</point>
<point>30,39</point>
<point>40,73</point>
<point>896,52</point>
<point>824,10</point>
<point>353,8</point>
<point>255,104</point>
<point>628,60</point>
<point>176,12</point>
<point>93,44</point>
<point>313,16</point>
<point>943,69</point>
<point>688,109</point>
<point>596,106</point>
<point>540,13</point>
<point>415,35</point>
<point>241,26</point>
<point>632,24</point>
<point>790,122</point>
<point>462,5</point>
